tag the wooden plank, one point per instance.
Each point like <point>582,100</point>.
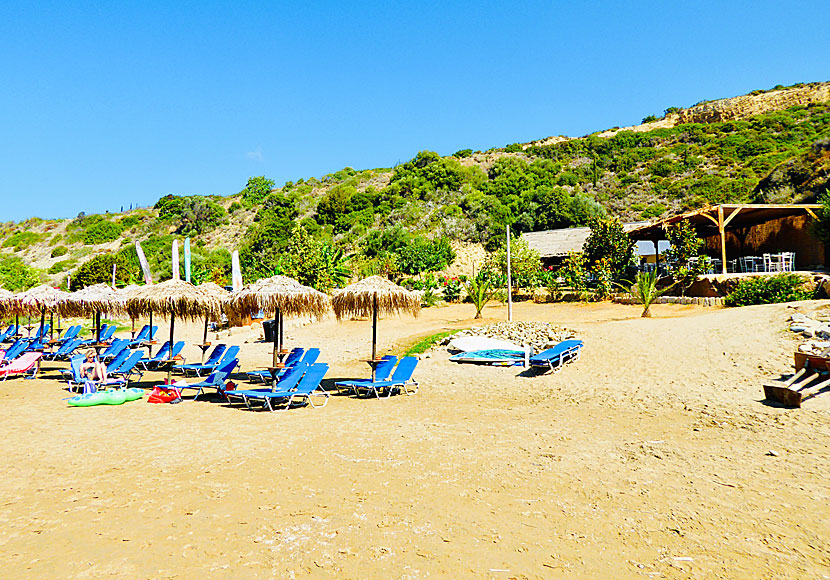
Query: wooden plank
<point>731,215</point>
<point>812,215</point>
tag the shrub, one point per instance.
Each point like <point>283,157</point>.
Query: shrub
<point>649,119</point>
<point>129,221</point>
<point>21,240</point>
<point>101,233</point>
<point>98,270</point>
<point>16,275</point>
<point>59,251</point>
<point>256,190</point>
<point>786,287</point>
<point>609,240</point>
<point>62,266</point>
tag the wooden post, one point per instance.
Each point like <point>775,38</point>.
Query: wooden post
<point>722,232</point>
<point>509,282</point>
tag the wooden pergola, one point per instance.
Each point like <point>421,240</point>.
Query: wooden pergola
<point>724,217</point>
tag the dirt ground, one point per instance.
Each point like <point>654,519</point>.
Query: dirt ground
<point>653,456</point>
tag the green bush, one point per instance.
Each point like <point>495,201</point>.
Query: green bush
<point>768,290</point>
<point>16,275</point>
<point>256,190</point>
<point>21,240</point>
<point>62,266</point>
<point>102,232</point>
<point>129,221</point>
<point>98,270</point>
<point>59,251</point>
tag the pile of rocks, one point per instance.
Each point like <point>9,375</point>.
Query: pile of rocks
<point>539,335</point>
<point>817,328</point>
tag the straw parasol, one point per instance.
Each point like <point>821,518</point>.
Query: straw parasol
<point>370,296</point>
<point>216,291</point>
<point>40,299</point>
<point>93,300</point>
<point>6,302</point>
<point>171,299</point>
<point>281,295</point>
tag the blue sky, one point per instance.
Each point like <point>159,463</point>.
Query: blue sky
<point>110,104</point>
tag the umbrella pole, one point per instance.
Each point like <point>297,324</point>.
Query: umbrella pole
<point>16,325</point>
<point>51,326</point>
<point>204,341</point>
<point>98,326</point>
<point>170,367</point>
<point>274,336</point>
<point>281,334</point>
<point>150,346</point>
<point>374,326</point>
<point>42,324</point>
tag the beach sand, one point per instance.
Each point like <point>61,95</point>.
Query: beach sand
<point>653,456</point>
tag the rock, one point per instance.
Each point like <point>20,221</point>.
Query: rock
<point>772,453</point>
<point>798,327</point>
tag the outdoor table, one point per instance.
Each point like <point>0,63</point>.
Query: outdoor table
<point>374,364</point>
<point>275,370</point>
<point>203,348</point>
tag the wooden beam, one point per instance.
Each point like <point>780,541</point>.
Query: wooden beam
<point>722,231</point>
<point>812,214</point>
<point>714,221</point>
<point>731,215</point>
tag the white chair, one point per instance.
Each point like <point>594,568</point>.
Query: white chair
<point>788,261</point>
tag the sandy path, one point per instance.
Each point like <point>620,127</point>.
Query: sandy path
<point>645,459</point>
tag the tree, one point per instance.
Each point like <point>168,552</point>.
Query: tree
<point>256,189</point>
<point>98,270</point>
<point>608,240</point>
<point>683,256</point>
<point>480,291</point>
<point>525,264</point>
<point>16,275</point>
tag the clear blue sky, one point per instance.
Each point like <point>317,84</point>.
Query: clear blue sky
<point>106,104</point>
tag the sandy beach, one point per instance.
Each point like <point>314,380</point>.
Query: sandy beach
<point>653,456</point>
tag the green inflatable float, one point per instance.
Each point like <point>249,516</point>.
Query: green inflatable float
<point>108,397</point>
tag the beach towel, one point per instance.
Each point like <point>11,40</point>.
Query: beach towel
<point>164,395</point>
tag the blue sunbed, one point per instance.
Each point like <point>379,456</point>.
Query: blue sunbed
<point>554,359</point>
<point>382,372</point>
<point>401,378</point>
<point>305,389</point>
<point>211,363</point>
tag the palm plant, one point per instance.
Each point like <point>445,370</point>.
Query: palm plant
<point>644,290</point>
<point>480,291</point>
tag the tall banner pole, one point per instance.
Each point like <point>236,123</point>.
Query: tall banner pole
<point>509,282</point>
<point>187,259</point>
<point>176,260</point>
<point>145,266</point>
<point>236,272</point>
<point>113,274</point>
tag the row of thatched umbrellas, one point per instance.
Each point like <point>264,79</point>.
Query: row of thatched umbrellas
<point>278,296</point>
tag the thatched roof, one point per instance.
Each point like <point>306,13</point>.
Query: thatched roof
<point>215,290</point>
<point>359,298</point>
<point>177,297</point>
<point>39,298</point>
<point>268,294</point>
<point>92,299</point>
<point>6,302</point>
<point>553,243</point>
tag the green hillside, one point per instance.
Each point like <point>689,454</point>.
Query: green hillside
<point>403,219</point>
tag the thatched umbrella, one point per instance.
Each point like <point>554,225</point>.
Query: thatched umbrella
<point>171,299</point>
<point>280,295</point>
<point>93,300</point>
<point>370,296</point>
<point>6,303</point>
<point>40,299</point>
<point>123,295</point>
<point>216,291</point>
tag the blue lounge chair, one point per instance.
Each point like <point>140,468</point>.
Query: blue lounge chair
<point>554,359</point>
<point>162,356</point>
<point>227,357</point>
<point>76,381</point>
<point>70,334</point>
<point>128,367</point>
<point>215,380</point>
<point>8,334</point>
<point>141,336</point>
<point>15,350</point>
<point>293,358</point>
<point>41,333</point>
<point>401,378</point>
<point>62,351</point>
<point>382,372</point>
<point>305,389</point>
<point>211,363</point>
<point>118,346</point>
<point>288,381</point>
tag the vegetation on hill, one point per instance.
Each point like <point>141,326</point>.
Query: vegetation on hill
<point>401,221</point>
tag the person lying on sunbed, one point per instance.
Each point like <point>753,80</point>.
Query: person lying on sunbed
<point>92,368</point>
